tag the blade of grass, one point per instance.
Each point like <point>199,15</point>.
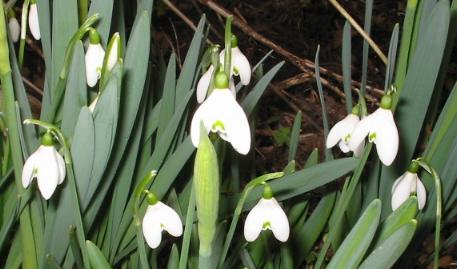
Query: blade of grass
<point>346,57</point>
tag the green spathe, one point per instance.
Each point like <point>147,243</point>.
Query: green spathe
<point>206,185</point>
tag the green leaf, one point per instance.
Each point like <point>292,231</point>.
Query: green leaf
<point>96,258</point>
<point>354,246</point>
<point>307,179</point>
<point>391,249</point>
<point>366,47</point>
<point>105,9</point>
<point>168,98</point>
<point>295,136</point>
<point>391,57</point>
<point>346,57</point>
<point>404,214</point>
<point>414,98</point>
<point>253,97</point>
<point>173,260</point>
<point>76,91</point>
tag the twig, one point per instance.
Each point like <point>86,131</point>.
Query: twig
<point>32,86</point>
<point>304,65</point>
<point>360,30</point>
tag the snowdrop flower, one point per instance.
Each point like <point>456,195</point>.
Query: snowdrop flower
<point>240,64</point>
<point>159,217</point>
<point>341,133</point>
<point>94,58</point>
<point>221,113</point>
<point>203,85</point>
<point>267,214</point>
<point>381,129</point>
<point>46,165</point>
<point>34,24</point>
<point>408,184</point>
<point>15,29</point>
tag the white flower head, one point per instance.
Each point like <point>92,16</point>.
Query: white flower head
<point>34,24</point>
<point>341,133</point>
<point>15,29</point>
<point>408,184</point>
<point>203,85</point>
<point>159,217</point>
<point>47,166</point>
<point>240,64</point>
<point>220,113</point>
<point>267,214</point>
<point>94,58</point>
<point>381,129</point>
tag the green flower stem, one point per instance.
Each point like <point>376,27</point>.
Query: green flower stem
<point>141,188</point>
<point>343,204</point>
<point>83,7</point>
<point>24,17</point>
<point>60,86</point>
<point>228,46</point>
<point>187,231</point>
<point>239,208</point>
<point>72,181</point>
<point>439,208</point>
<point>28,242</point>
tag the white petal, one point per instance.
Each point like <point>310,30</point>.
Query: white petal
<point>254,221</point>
<point>386,137</point>
<point>94,62</point>
<point>47,171</point>
<point>398,180</point>
<point>241,63</point>
<point>236,125</point>
<point>203,84</point>
<point>169,219</point>
<point>28,169</point>
<point>232,87</point>
<point>113,55</point>
<point>421,194</point>
<point>33,22</point>
<point>341,129</point>
<point>402,192</point>
<point>361,130</point>
<point>358,151</point>
<point>343,146</point>
<point>279,222</point>
<point>151,227</point>
<point>205,113</point>
<point>61,165</point>
<point>15,29</point>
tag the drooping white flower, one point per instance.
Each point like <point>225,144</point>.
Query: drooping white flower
<point>341,134</point>
<point>222,114</point>
<point>159,217</point>
<point>408,184</point>
<point>15,29</point>
<point>267,214</point>
<point>94,58</point>
<point>240,64</point>
<point>203,84</point>
<point>34,24</point>
<point>47,166</point>
<point>381,129</point>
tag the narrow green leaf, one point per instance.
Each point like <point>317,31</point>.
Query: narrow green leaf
<point>366,47</point>
<point>295,136</point>
<point>346,57</point>
<point>168,98</point>
<point>76,91</point>
<point>105,9</point>
<point>354,246</point>
<point>391,58</point>
<point>173,260</point>
<point>253,97</point>
<point>96,258</point>
<point>391,249</point>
